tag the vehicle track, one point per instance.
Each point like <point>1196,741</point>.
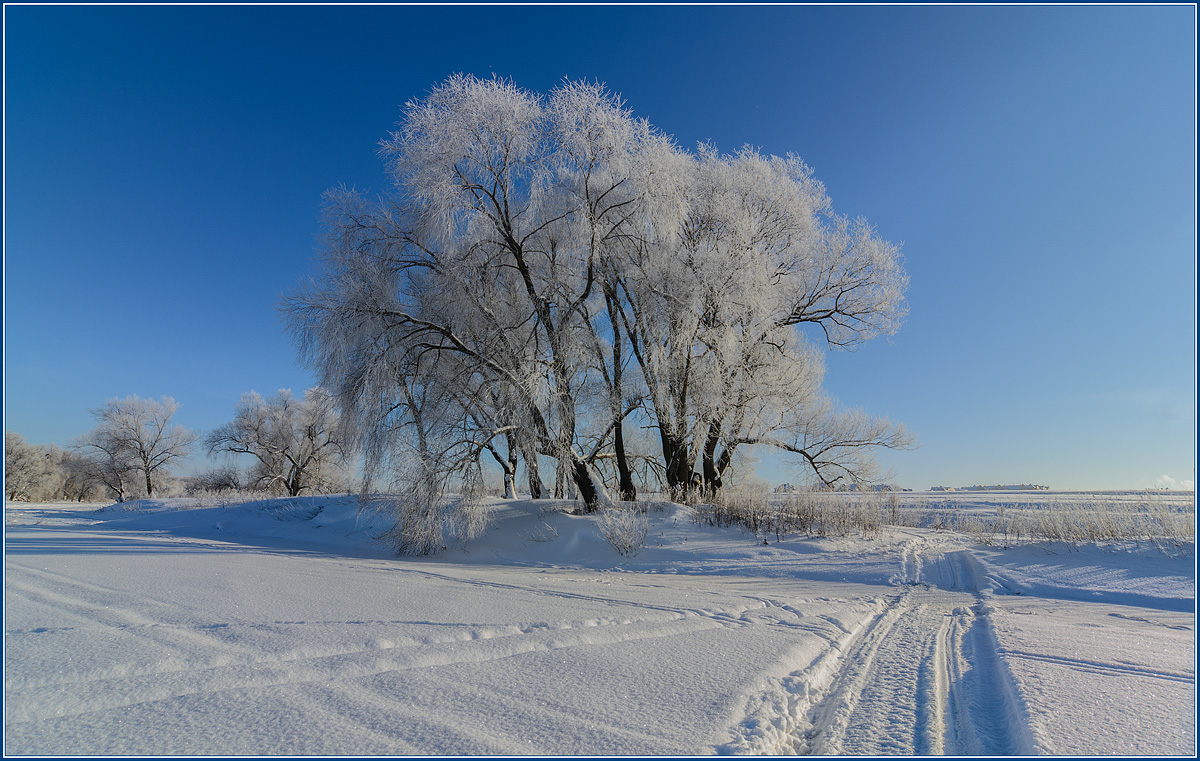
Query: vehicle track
<point>920,677</point>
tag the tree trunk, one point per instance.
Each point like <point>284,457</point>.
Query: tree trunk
<point>590,489</point>
<point>626,491</point>
<point>510,470</point>
<point>560,475</point>
<point>723,463</point>
<point>675,457</point>
<point>536,489</point>
<point>712,471</point>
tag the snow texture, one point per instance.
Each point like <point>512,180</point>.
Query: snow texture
<point>282,628</point>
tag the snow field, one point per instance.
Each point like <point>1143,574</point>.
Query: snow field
<point>280,628</point>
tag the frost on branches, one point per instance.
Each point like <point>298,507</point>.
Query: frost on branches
<point>297,444</point>
<point>549,275</point>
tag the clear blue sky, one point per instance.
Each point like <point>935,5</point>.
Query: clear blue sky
<point>164,166</point>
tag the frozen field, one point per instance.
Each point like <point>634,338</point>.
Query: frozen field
<point>281,628</point>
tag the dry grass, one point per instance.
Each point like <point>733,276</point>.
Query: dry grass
<point>1149,518</point>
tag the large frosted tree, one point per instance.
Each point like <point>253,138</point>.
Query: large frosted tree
<point>28,468</point>
<point>547,269</point>
<point>486,256</point>
<point>715,307</point>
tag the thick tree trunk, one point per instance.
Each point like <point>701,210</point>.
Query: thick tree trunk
<point>536,489</point>
<point>590,489</point>
<point>712,469</point>
<point>560,475</point>
<point>678,470</point>
<point>626,491</point>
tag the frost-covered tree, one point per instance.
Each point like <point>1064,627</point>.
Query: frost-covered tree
<point>715,302</point>
<point>135,436</point>
<point>547,269</point>
<point>34,472</point>
<point>74,481</point>
<point>28,468</point>
<point>106,460</point>
<point>224,478</point>
<point>297,444</point>
<point>488,251</point>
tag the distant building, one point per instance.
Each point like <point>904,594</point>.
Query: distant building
<point>784,489</point>
<point>1006,487</point>
<point>1009,487</point>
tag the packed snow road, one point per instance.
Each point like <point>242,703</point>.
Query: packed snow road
<point>921,676</point>
<point>924,679</point>
<point>270,630</point>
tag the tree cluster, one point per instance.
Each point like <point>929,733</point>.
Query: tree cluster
<point>549,274</point>
<point>295,445</point>
<point>36,473</point>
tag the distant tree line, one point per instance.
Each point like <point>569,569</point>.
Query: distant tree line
<point>135,447</point>
<point>36,473</point>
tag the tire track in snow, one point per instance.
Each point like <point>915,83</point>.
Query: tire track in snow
<point>920,677</point>
<point>891,697</point>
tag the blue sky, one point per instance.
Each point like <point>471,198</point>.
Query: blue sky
<point>164,167</point>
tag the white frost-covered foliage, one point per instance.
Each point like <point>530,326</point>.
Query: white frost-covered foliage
<point>297,444</point>
<point>43,473</point>
<point>135,445</point>
<point>426,515</point>
<point>548,270</point>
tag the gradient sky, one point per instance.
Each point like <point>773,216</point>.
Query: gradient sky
<point>164,167</point>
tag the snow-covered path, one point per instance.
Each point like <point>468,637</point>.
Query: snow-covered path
<point>904,689</point>
<point>272,631</point>
<point>920,677</point>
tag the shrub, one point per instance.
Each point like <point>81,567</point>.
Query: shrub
<point>625,526</point>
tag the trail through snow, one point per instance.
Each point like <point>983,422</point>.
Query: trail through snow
<point>282,629</point>
<point>923,679</point>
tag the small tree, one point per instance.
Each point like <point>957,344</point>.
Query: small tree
<point>78,484</point>
<point>295,442</point>
<point>103,460</point>
<point>135,435</point>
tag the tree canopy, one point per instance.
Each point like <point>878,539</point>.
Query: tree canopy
<point>548,271</point>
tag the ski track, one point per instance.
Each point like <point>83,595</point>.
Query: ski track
<point>922,676</point>
<point>177,674</point>
<point>180,657</point>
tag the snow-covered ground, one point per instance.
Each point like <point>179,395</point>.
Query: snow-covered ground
<point>281,628</point>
